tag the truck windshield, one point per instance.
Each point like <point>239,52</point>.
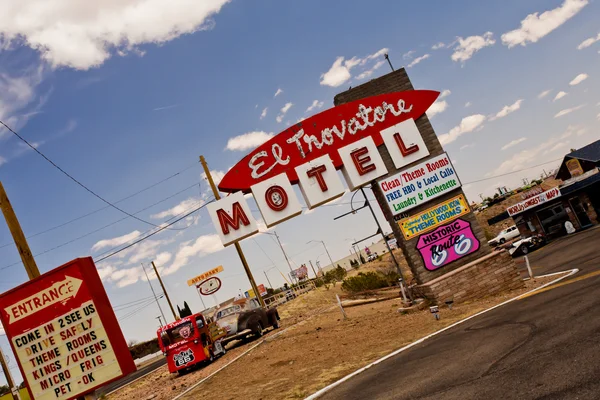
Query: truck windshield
<point>228,311</point>
<point>178,334</point>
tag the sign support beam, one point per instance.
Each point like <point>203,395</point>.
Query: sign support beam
<point>238,248</point>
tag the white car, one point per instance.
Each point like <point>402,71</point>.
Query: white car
<point>509,233</point>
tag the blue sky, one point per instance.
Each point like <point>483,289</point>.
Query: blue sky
<point>126,95</point>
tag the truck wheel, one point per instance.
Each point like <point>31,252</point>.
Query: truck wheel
<point>275,322</point>
<point>258,329</point>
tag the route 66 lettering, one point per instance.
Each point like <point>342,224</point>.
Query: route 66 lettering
<point>183,358</point>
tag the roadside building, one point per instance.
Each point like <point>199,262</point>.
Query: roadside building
<point>576,198</point>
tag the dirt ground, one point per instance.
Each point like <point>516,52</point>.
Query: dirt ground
<point>318,348</point>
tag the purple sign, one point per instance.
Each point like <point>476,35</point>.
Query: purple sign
<point>446,244</point>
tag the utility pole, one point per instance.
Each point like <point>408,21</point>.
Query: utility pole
<point>165,292</point>
<point>201,299</point>
<point>28,261</point>
<point>154,294</point>
<point>325,247</point>
<point>313,269</point>
<point>238,248</point>
<point>18,235</point>
<point>284,254</point>
<point>9,379</point>
<point>266,276</point>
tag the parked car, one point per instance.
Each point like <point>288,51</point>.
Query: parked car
<point>244,318</point>
<point>509,233</point>
<point>372,257</point>
<point>524,246</point>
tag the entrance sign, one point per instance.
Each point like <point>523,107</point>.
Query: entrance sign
<point>319,181</point>
<point>325,133</point>
<point>404,143</point>
<point>64,333</point>
<point>209,286</point>
<point>534,201</point>
<point>447,244</point>
<point>417,185</point>
<point>431,218</point>
<point>276,200</point>
<point>204,276</point>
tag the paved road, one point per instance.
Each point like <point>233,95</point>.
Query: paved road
<point>545,346</point>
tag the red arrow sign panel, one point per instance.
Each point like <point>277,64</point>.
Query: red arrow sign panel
<point>325,133</point>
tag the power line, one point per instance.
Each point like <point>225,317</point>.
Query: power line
<point>513,172</point>
<point>134,312</point>
<point>134,303</point>
<point>153,233</point>
<point>105,207</point>
<point>73,179</point>
<point>99,229</point>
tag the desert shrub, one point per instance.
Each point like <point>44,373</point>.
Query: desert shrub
<point>364,281</point>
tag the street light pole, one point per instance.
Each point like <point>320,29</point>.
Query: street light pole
<point>266,276</point>
<point>326,251</point>
<point>153,293</point>
<point>165,292</point>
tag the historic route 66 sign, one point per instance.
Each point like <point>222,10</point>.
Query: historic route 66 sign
<point>446,244</point>
<point>183,358</point>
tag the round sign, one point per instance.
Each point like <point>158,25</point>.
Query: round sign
<point>209,286</point>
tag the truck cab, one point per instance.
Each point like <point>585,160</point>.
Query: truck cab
<point>190,341</point>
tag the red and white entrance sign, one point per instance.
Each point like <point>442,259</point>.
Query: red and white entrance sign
<point>64,333</point>
<point>344,137</point>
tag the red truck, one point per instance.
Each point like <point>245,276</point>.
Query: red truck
<point>190,341</point>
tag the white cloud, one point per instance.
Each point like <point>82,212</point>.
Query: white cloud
<point>440,105</point>
<point>598,117</point>
<point>578,79</point>
<point>2,160</point>
<point>165,107</point>
<point>535,26</point>
<point>248,140</point>
<point>182,207</point>
<point>369,72</point>
<point>437,46</point>
<point>82,34</point>
<point>162,258</point>
<point>337,74</point>
<point>127,276</point>
<point>560,95</point>
<point>18,96</point>
<point>206,244</point>
<point>418,60</point>
<point>543,94</point>
<point>465,48</point>
<point>284,111</point>
<point>588,42</point>
<point>408,55</point>
<point>315,104</point>
<point>118,241</point>
<point>436,108</point>
<point>217,177</point>
<point>507,110</point>
<point>513,143</point>
<point>568,111</point>
<point>467,146</point>
<point>106,271</point>
<point>264,112</point>
<point>468,104</point>
<point>445,93</point>
<point>340,70</point>
<point>467,124</point>
<point>278,92</point>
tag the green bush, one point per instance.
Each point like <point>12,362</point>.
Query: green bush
<point>365,281</point>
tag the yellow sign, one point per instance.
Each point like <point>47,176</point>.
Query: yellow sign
<point>574,167</point>
<point>429,219</point>
<point>202,277</point>
<point>68,356</point>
